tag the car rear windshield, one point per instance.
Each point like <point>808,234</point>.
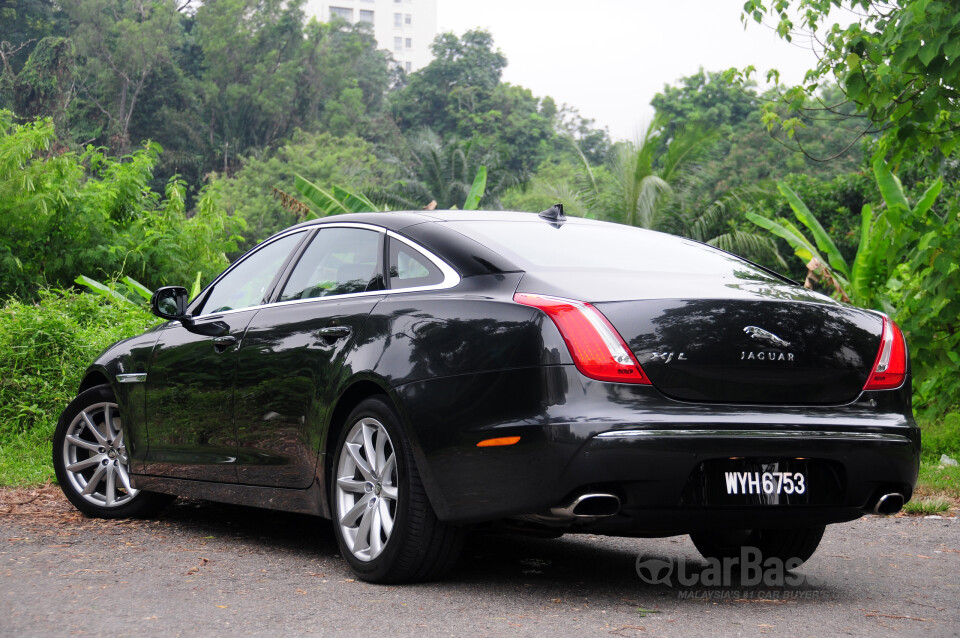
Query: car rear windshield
<point>579,245</point>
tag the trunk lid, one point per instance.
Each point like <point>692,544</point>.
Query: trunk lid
<point>750,349</point>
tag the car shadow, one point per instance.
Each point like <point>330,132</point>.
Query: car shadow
<point>556,569</point>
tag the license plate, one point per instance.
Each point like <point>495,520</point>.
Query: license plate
<point>765,483</point>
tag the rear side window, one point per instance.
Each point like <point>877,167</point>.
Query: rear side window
<point>410,268</point>
<point>582,245</point>
<point>338,261</point>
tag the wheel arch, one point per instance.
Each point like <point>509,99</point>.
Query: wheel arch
<point>356,391</point>
<point>92,379</point>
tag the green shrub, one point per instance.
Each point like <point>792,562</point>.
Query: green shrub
<point>941,436</point>
<point>44,349</point>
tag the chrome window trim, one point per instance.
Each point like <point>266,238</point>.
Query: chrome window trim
<point>247,255</point>
<point>451,277</point>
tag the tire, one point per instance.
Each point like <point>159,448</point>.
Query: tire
<point>385,527</point>
<point>90,459</point>
<point>783,544</point>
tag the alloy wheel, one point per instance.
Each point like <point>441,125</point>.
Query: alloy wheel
<point>367,489</point>
<point>95,457</point>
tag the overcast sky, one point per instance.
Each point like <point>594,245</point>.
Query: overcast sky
<point>608,58</point>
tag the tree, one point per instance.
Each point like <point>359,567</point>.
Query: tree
<point>121,45</point>
<point>460,95</point>
<point>706,99</point>
<point>463,73</point>
<point>265,75</point>
<point>898,64</point>
<point>441,174</point>
<point>321,158</point>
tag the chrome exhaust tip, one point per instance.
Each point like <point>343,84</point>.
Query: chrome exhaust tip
<point>889,504</point>
<point>590,505</point>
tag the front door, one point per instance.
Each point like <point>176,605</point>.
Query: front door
<point>190,387</point>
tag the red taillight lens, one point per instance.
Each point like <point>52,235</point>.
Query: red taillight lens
<point>890,368</point>
<point>596,347</point>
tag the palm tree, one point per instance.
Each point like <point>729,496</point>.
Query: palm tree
<point>641,175</point>
<point>440,174</point>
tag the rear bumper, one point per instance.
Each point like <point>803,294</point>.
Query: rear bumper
<point>579,435</point>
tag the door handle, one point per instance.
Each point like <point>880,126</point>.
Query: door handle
<point>335,332</point>
<point>222,343</point>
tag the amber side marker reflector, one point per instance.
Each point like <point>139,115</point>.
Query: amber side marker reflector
<point>499,442</point>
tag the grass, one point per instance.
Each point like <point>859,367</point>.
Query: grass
<point>937,480</point>
<point>44,349</point>
<point>928,505</point>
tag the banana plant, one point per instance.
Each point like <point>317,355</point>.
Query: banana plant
<point>885,240</point>
<point>129,290</point>
<point>336,201</point>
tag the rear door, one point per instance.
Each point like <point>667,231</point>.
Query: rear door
<point>293,352</point>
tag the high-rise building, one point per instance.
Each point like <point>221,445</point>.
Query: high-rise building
<point>404,27</point>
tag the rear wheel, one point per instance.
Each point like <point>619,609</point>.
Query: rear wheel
<point>384,524</point>
<point>795,545</point>
<point>91,461</point>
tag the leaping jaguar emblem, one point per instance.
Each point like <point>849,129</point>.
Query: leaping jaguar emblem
<point>762,335</point>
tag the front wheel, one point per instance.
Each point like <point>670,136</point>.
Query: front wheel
<point>384,524</point>
<point>795,546</point>
<point>91,461</point>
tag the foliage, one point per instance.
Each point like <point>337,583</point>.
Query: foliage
<point>927,506</point>
<point>708,100</point>
<point>459,95</point>
<point>266,74</point>
<point>321,158</point>
<point>126,290</point>
<point>941,436</point>
<point>938,479</point>
<point>44,349</point>
<point>898,63</point>
<point>120,45</point>
<point>336,201</point>
<point>883,240</point>
<point>924,285</point>
<point>45,85</point>
<point>440,174</point>
<point>65,213</point>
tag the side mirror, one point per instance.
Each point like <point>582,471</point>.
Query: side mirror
<point>170,302</point>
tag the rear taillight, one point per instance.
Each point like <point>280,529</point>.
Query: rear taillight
<point>596,347</point>
<point>890,368</point>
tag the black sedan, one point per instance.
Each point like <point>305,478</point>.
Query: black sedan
<point>411,375</point>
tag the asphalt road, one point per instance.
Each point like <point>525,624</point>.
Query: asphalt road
<point>203,569</point>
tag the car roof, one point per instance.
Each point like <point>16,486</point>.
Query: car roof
<point>397,220</point>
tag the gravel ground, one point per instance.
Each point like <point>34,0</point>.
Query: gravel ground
<point>207,569</point>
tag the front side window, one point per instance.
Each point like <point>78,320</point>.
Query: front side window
<point>246,284</point>
<point>338,261</point>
